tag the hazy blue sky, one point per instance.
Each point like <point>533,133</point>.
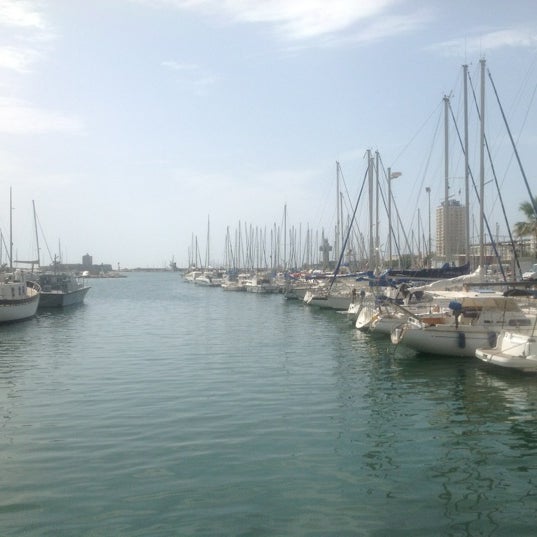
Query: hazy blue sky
<point>129,122</point>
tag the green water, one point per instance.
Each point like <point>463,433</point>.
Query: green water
<point>159,408</point>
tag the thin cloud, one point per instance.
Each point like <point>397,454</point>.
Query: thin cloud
<point>486,42</point>
<point>18,117</point>
<point>25,36</point>
<point>179,66</point>
<point>191,76</point>
<point>307,20</point>
<point>24,33</point>
<point>16,59</point>
<point>391,25</point>
<point>20,14</point>
<point>378,29</point>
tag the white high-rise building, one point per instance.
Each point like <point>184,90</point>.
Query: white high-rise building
<point>450,242</point>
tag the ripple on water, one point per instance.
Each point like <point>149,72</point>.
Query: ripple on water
<point>160,408</point>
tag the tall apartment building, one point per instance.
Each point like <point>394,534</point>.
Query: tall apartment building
<point>450,242</point>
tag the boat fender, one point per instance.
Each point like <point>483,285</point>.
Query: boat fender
<point>492,338</point>
<point>461,340</point>
<point>397,334</point>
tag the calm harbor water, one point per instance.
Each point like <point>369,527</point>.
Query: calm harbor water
<point>159,408</point>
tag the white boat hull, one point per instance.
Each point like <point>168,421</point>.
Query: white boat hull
<point>446,340</point>
<point>477,324</point>
<point>261,289</point>
<point>527,364</point>
<point>232,287</point>
<point>514,350</point>
<point>17,310</point>
<point>365,317</point>
<point>334,302</point>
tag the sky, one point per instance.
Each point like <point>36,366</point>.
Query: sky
<point>132,124</point>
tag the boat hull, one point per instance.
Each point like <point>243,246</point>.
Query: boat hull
<point>514,350</point>
<point>334,302</point>
<point>18,310</point>
<point>365,317</point>
<point>446,341</point>
<point>527,364</point>
<point>58,299</point>
<point>232,287</point>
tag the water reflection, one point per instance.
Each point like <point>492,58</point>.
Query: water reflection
<point>465,437</point>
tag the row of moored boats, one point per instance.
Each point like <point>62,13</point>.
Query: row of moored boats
<point>22,293</point>
<point>460,316</point>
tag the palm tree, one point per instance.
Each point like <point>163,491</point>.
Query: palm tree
<point>529,227</point>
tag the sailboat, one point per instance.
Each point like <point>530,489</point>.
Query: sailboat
<point>482,322</point>
<point>19,297</point>
<point>476,323</point>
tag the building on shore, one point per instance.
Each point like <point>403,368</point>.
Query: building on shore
<point>450,230</point>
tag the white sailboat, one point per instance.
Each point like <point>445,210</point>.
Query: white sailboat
<point>476,323</point>
<point>19,297</point>
<point>338,297</point>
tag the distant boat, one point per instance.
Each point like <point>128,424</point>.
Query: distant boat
<point>19,297</point>
<point>446,271</point>
<point>205,279</point>
<point>234,282</point>
<point>260,283</point>
<point>192,275</point>
<point>58,287</point>
<point>61,289</point>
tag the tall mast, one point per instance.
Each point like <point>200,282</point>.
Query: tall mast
<point>389,218</point>
<point>447,252</point>
<point>429,256</point>
<point>285,237</point>
<point>208,260</point>
<point>36,235</point>
<point>239,247</point>
<point>377,223</point>
<point>482,169</point>
<point>466,167</point>
<point>10,230</point>
<point>338,210</point>
<point>371,222</point>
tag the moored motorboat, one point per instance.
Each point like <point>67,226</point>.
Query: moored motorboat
<point>260,283</point>
<point>205,279</point>
<point>234,282</point>
<point>61,289</point>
